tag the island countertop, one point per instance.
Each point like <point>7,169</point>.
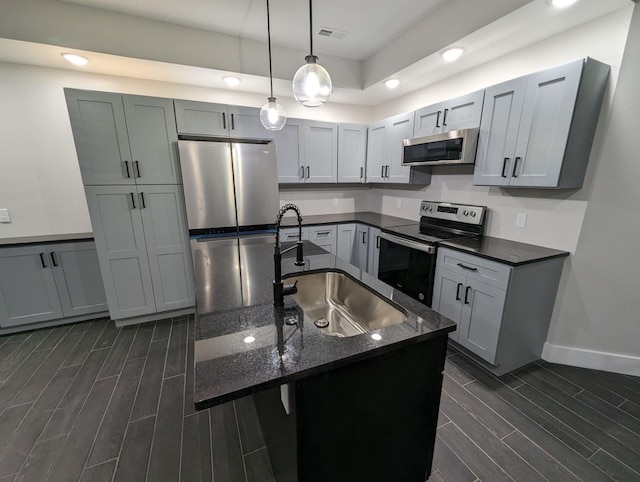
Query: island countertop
<point>235,344</point>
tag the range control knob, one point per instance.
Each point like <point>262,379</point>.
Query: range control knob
<point>429,208</point>
<point>465,213</point>
<point>473,214</point>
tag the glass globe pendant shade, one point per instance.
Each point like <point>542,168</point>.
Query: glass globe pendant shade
<point>312,83</point>
<point>272,115</point>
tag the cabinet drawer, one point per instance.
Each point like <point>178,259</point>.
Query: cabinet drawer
<point>318,233</point>
<point>474,267</point>
<point>291,234</point>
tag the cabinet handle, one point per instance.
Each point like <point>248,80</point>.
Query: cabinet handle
<point>388,167</point>
<point>444,118</point>
<point>233,123</point>
<point>466,295</point>
<point>361,172</point>
<point>467,267</point>
<point>381,171</point>
<point>53,258</point>
<point>292,236</point>
<point>133,200</point>
<point>438,119</point>
<point>126,167</point>
<point>301,172</point>
<point>224,121</point>
<point>460,285</point>
<point>504,167</point>
<point>323,233</point>
<point>364,235</point>
<point>515,165</point>
<point>42,261</point>
<point>143,204</point>
<point>378,242</point>
<point>308,172</point>
<point>138,168</point>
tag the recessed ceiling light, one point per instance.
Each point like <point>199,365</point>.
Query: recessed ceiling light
<point>392,83</point>
<point>231,81</point>
<point>452,54</point>
<point>562,3</point>
<point>76,59</point>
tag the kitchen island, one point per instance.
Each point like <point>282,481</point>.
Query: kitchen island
<point>360,408</point>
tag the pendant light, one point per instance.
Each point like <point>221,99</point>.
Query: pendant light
<point>311,84</point>
<point>272,115</point>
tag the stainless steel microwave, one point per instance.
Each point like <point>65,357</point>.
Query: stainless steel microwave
<point>453,147</point>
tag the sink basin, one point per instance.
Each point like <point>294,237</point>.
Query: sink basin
<point>341,306</point>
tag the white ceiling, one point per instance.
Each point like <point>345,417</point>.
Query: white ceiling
<point>201,41</point>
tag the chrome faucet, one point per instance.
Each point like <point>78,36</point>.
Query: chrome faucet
<point>279,288</point>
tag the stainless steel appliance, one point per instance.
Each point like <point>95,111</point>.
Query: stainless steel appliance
<point>453,147</point>
<point>408,253</point>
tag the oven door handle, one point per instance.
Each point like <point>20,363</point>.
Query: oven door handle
<point>407,243</point>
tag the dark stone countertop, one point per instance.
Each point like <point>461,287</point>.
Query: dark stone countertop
<point>364,217</point>
<point>48,238</point>
<point>238,303</point>
<point>503,250</point>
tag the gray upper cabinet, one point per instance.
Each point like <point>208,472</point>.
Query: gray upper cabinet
<point>28,291</point>
<point>152,136</point>
<point>373,257</point>
<point>100,135</point>
<point>460,113</point>
<point>352,152</point>
<point>537,131</point>
<point>400,128</point>
<point>377,152</point>
<point>320,140</point>
<point>290,152</point>
<point>201,118</point>
<point>244,123</point>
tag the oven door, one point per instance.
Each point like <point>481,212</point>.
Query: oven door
<point>408,266</point>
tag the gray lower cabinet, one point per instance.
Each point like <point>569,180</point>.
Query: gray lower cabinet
<point>46,282</point>
<point>324,236</point>
<point>537,131</point>
<point>361,248</point>
<point>142,245</point>
<point>346,241</point>
<point>503,312</point>
<point>352,152</point>
<point>293,234</point>
<point>373,257</point>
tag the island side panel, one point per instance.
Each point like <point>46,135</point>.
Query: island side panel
<point>373,420</point>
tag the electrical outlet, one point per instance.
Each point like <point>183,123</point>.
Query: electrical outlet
<point>398,203</point>
<point>4,216</point>
<point>521,220</point>
<point>336,201</point>
<point>282,202</point>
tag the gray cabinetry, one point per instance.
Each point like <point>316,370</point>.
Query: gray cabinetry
<point>324,236</point>
<point>244,123</point>
<point>290,152</point>
<point>361,249</point>
<point>377,152</point>
<point>373,257</point>
<point>537,130</point>
<point>400,128</point>
<point>352,152</point>
<point>346,241</point>
<point>201,118</point>
<point>460,113</point>
<point>503,312</point>
<point>320,140</point>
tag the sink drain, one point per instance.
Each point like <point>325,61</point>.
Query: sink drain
<point>321,323</point>
<point>291,320</point>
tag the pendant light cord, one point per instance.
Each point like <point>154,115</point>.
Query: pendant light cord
<point>310,28</point>
<point>269,37</point>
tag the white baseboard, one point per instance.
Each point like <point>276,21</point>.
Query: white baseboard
<point>597,360</point>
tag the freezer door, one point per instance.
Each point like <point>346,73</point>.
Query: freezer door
<point>256,180</point>
<point>208,184</point>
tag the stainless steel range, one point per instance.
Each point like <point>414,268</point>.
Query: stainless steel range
<point>408,253</point>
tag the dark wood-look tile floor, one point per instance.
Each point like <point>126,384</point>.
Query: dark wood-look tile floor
<point>92,402</point>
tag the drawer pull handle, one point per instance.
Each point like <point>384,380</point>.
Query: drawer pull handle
<point>323,233</point>
<point>460,285</point>
<point>53,258</point>
<point>467,267</point>
<point>364,235</point>
<point>466,295</point>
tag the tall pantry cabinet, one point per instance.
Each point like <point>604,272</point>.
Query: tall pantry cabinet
<point>127,150</point>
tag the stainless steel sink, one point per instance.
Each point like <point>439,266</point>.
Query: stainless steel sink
<point>341,306</point>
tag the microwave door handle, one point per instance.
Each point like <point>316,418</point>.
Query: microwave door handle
<point>407,243</point>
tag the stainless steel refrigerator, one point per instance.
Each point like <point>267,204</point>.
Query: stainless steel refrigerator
<point>231,198</point>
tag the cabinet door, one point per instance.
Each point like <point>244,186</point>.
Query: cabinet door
<point>100,135</point>
<point>167,240</point>
<point>346,241</point>
<point>377,152</point>
<point>479,329</point>
<point>463,112</point>
<point>361,250</point>
<point>327,244</point>
<point>373,257</point>
<point>77,273</point>
<point>153,139</point>
<point>428,120</point>
<point>289,152</point>
<point>201,118</point>
<point>27,288</point>
<point>119,236</point>
<point>400,128</point>
<point>448,297</point>
<point>499,132</point>
<point>544,129</point>
<point>244,122</point>
<point>320,141</point>
<point>352,152</point>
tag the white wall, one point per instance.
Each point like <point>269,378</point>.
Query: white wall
<point>40,179</point>
<point>554,217</point>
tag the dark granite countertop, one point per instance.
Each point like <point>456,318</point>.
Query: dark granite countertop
<point>47,238</point>
<point>236,302</point>
<point>503,250</point>
<point>365,217</point>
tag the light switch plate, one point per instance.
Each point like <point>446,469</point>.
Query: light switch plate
<point>398,203</point>
<point>335,202</point>
<point>521,220</point>
<point>4,216</point>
